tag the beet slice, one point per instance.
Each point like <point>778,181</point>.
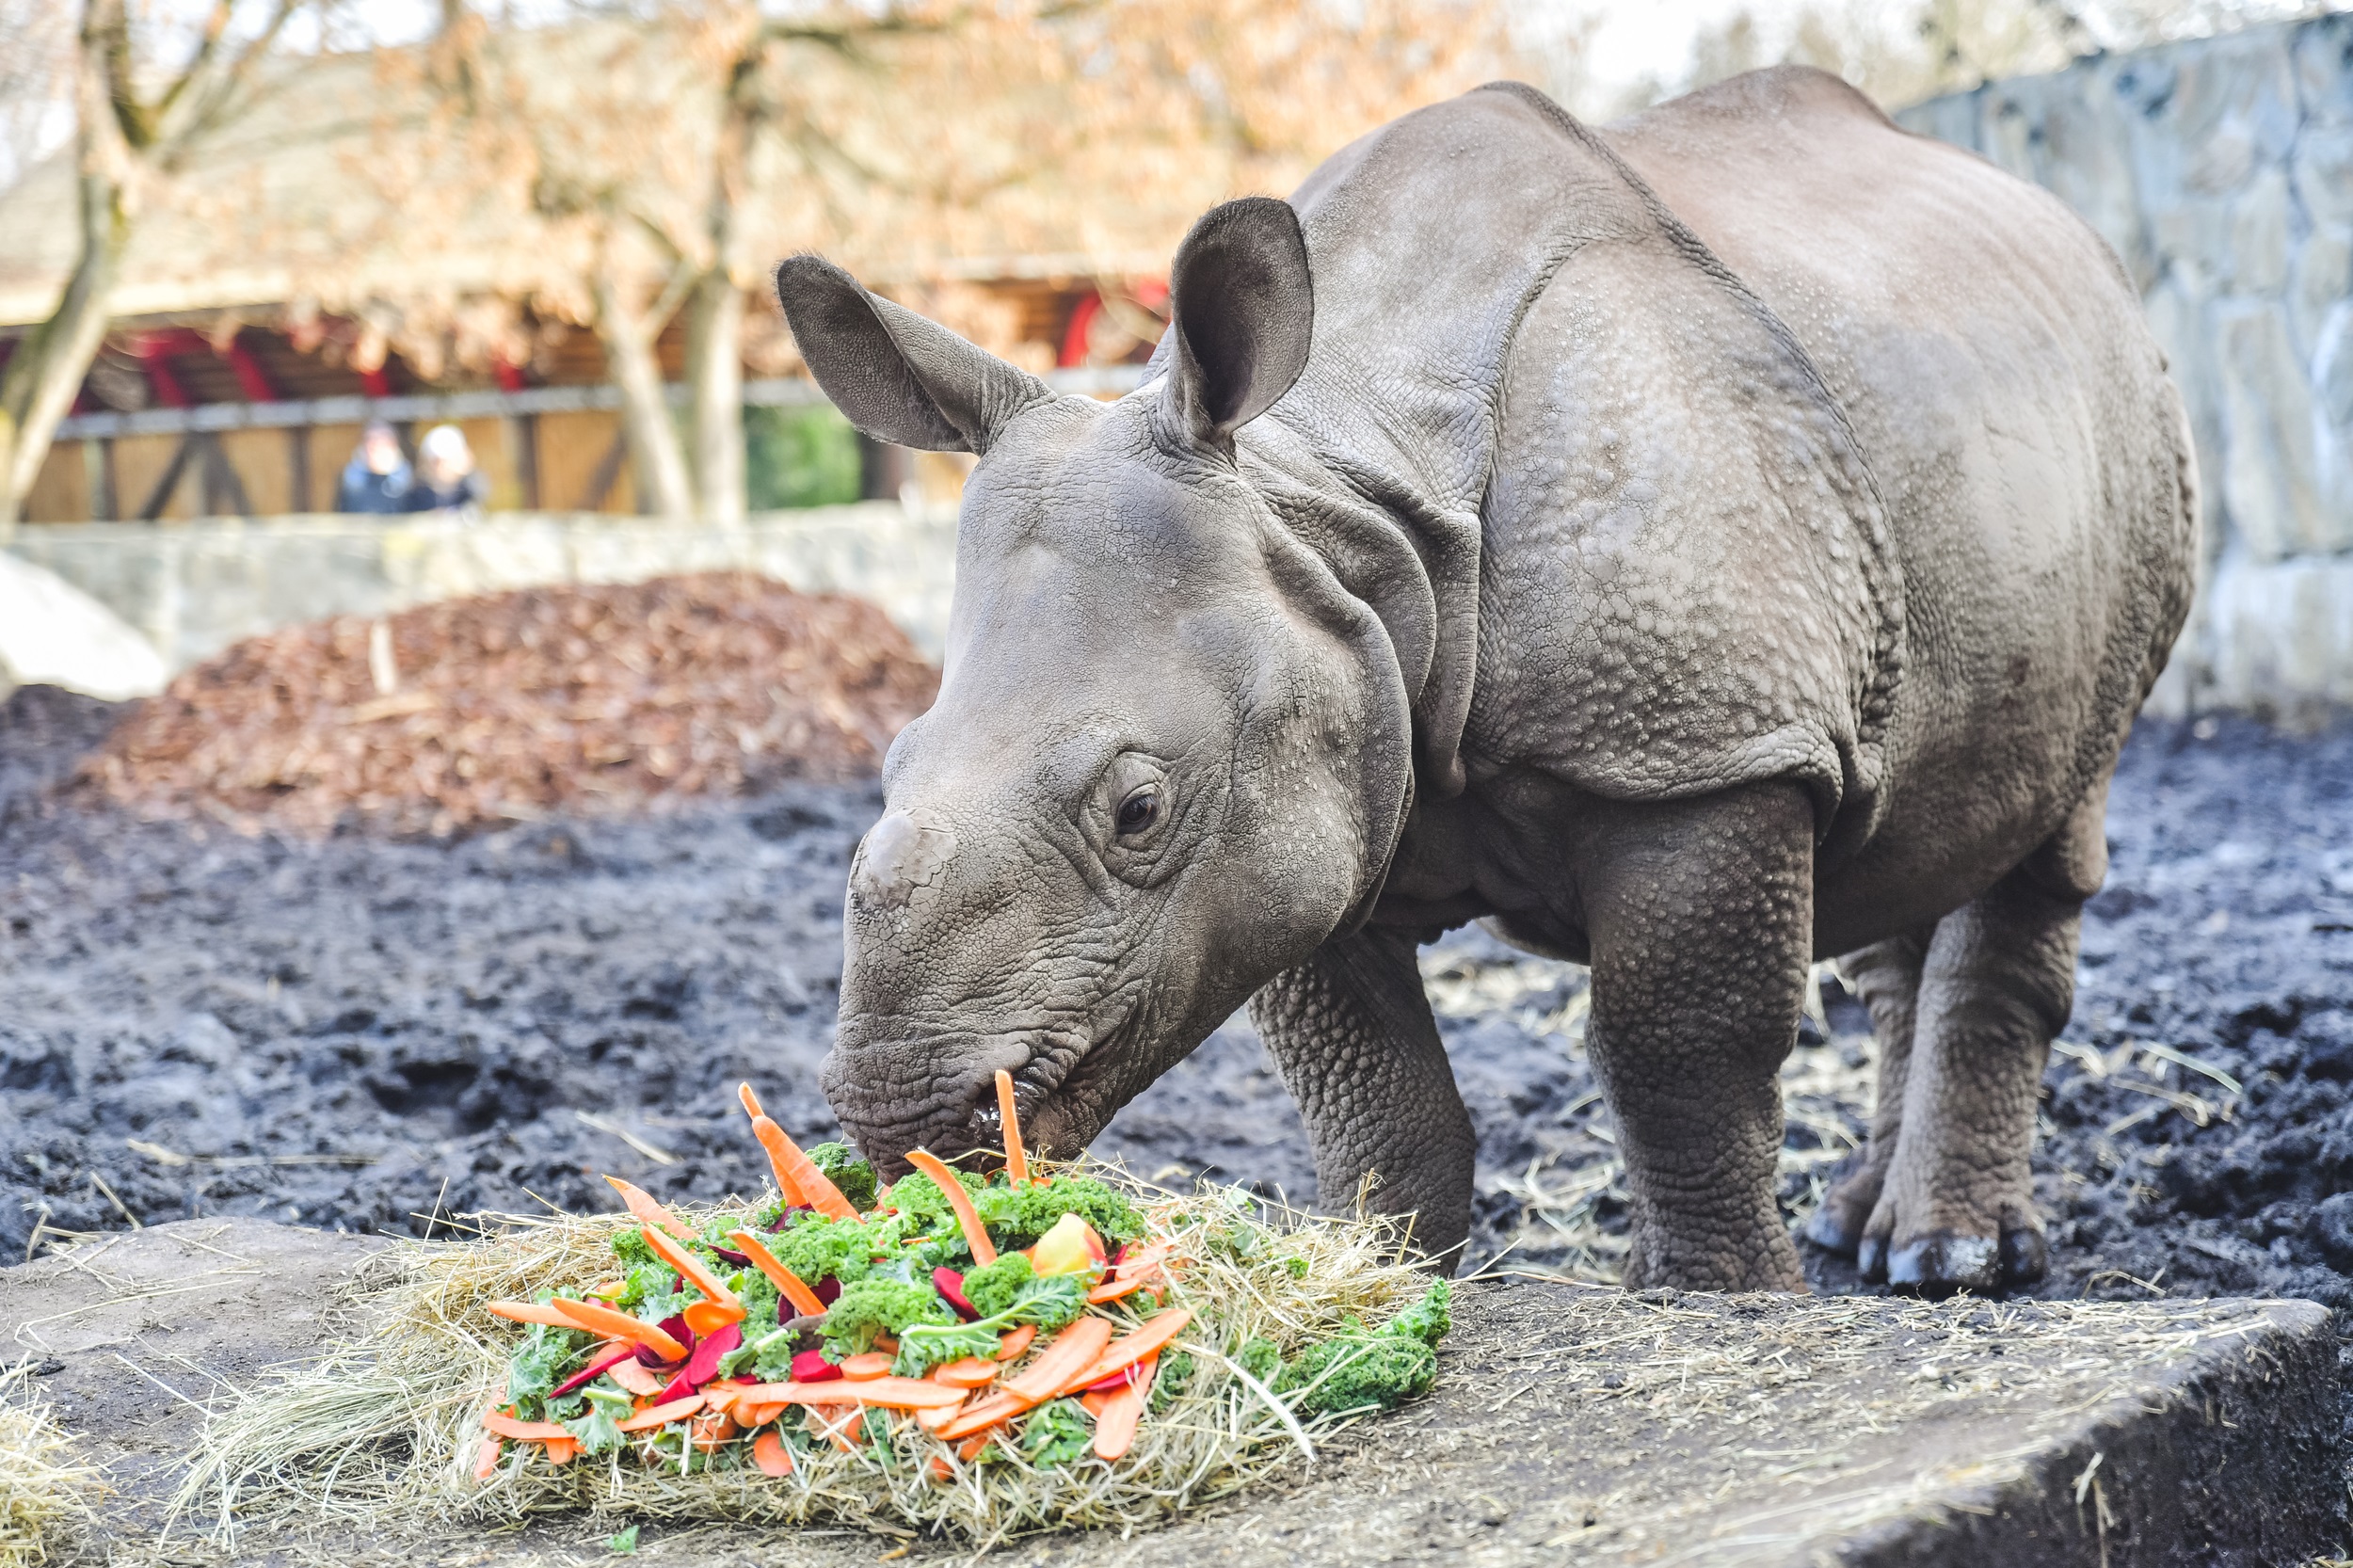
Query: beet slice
<point>949,1285</point>
<point>675,1326</point>
<point>742,1260</point>
<point>812,1367</point>
<point>827,1290</point>
<point>594,1370</point>
<point>703,1364</point>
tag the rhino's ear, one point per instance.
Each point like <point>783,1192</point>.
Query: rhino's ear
<point>899,377</point>
<point>1242,311</point>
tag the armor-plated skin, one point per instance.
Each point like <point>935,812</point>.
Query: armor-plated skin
<point>1740,536</point>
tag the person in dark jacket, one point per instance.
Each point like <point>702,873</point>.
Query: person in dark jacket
<point>447,480</point>
<point>378,479</point>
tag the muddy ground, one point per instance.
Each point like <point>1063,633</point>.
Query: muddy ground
<point>366,1034</point>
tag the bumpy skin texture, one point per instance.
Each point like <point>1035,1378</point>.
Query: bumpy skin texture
<point>1740,536</point>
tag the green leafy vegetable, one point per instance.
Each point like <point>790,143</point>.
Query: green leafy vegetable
<point>1056,1433</point>
<point>622,1543</point>
<point>876,1306</point>
<point>992,1289</point>
<point>1428,1319</point>
<point>597,1431</point>
<point>1018,1216</point>
<point>539,1363</point>
<point>1358,1372</point>
<point>847,1170</point>
<point>1051,1303</point>
<point>817,1249</point>
<point>1177,1370</point>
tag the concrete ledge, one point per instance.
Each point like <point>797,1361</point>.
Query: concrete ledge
<point>1571,1424</point>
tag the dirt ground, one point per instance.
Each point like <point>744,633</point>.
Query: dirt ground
<point>372,1034</point>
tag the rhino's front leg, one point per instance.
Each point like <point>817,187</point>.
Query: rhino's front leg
<point>1350,1032</point>
<point>1700,918</point>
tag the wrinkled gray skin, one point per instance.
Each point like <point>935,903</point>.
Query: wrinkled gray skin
<point>1740,536</point>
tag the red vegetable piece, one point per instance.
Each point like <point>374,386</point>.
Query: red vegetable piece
<point>829,1290</point>
<point>949,1285</point>
<point>812,1367</point>
<point>594,1370</point>
<point>703,1364</point>
<point>675,1326</point>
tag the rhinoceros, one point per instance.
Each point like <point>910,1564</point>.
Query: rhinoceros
<point>1735,537</point>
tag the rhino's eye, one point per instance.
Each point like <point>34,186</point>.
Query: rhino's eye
<point>1140,810</point>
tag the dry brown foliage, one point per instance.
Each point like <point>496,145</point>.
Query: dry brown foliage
<point>509,706</point>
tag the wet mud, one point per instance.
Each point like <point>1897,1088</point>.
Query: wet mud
<point>374,1035</point>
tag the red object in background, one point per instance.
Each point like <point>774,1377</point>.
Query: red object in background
<point>252,379</point>
<point>1074,337</point>
<point>375,383</point>
<point>154,350</point>
<point>510,378</point>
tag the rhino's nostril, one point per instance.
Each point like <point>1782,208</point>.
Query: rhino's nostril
<point>901,852</point>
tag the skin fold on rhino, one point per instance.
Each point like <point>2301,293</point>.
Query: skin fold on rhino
<point>1738,537</point>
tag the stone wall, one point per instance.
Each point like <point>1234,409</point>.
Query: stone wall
<point>2221,170</point>
<point>192,590</point>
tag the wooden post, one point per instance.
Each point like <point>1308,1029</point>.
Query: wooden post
<point>298,468</point>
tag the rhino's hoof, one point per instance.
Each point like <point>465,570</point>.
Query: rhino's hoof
<point>1823,1229</point>
<point>2025,1257</point>
<point>1870,1259</point>
<point>1941,1264</point>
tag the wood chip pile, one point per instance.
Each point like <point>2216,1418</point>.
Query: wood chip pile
<point>510,706</point>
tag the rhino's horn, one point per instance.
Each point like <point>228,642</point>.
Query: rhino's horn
<point>898,377</point>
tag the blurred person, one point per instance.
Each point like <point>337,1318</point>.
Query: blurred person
<point>378,479</point>
<point>447,480</point>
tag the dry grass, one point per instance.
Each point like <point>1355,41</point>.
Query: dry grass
<point>383,1428</point>
<point>45,1496</point>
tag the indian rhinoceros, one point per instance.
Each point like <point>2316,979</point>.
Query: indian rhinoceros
<point>1740,535</point>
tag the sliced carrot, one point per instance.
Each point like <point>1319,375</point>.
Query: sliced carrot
<point>797,1175</point>
<point>970,1372</point>
<point>636,1377</point>
<point>786,1187</point>
<point>598,1318</point>
<point>1118,1290</point>
<point>708,1317</point>
<point>1016,1342</point>
<point>771,1455</point>
<point>486,1458</point>
<point>650,1213</point>
<point>894,1393</point>
<point>711,1429</point>
<point>563,1452</point>
<point>874,1364</point>
<point>932,1421</point>
<point>1115,1422</point>
<point>662,1414</point>
<point>691,1269</point>
<point>749,1414</point>
<point>836,1430</point>
<point>975,1234</point>
<point>1092,1403</point>
<point>1129,1348</point>
<point>1073,1351</point>
<point>969,1449</point>
<point>788,1284</point>
<point>522,1431</point>
<point>940,1470</point>
<point>1017,1157</point>
<point>531,1312</point>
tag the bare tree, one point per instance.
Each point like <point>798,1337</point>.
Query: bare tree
<point>133,126</point>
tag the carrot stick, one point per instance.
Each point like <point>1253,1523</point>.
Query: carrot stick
<point>1016,1342</point>
<point>975,1234</point>
<point>788,1284</point>
<point>691,1269</point>
<point>932,1421</point>
<point>522,1431</point>
<point>563,1452</point>
<point>650,1213</point>
<point>969,1449</point>
<point>867,1367</point>
<point>527,1312</point>
<point>1017,1157</point>
<point>486,1458</point>
<point>970,1372</point>
<point>619,1325</point>
<point>1129,1347</point>
<point>636,1377</point>
<point>771,1455</point>
<point>786,1187</point>
<point>1073,1351</point>
<point>662,1414</point>
<point>749,1415</point>
<point>891,1393</point>
<point>1119,1289</point>
<point>1115,1422</point>
<point>709,1317</point>
<point>797,1171</point>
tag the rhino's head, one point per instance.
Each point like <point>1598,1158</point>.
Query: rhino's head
<point>1169,754</point>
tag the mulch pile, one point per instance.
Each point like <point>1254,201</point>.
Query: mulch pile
<point>511,706</point>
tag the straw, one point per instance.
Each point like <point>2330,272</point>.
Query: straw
<point>46,1493</point>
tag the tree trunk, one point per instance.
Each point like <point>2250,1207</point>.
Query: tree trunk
<point>47,368</point>
<point>714,375</point>
<point>655,456</point>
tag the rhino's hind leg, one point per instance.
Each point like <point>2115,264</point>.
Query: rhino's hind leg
<point>1700,917</point>
<point>1350,1032</point>
<point>1957,1211</point>
<point>1886,975</point>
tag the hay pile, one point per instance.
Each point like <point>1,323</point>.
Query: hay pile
<point>45,1496</point>
<point>385,1426</point>
<point>510,706</point>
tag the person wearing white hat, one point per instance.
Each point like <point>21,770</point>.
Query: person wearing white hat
<point>447,480</point>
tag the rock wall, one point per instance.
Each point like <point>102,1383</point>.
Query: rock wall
<point>194,588</point>
<point>2221,170</point>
